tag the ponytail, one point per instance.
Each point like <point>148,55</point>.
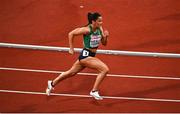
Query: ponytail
<point>90,17</point>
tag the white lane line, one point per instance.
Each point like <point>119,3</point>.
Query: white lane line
<point>88,96</point>
<point>94,74</point>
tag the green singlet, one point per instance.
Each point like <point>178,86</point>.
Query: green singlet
<point>92,39</point>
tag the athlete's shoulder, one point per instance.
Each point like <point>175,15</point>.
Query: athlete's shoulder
<point>86,29</point>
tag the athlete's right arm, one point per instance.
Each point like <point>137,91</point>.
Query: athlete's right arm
<point>75,32</point>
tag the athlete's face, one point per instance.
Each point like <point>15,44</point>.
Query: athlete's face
<point>98,22</point>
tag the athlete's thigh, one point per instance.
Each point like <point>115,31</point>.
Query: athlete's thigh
<point>95,63</point>
<point>77,67</point>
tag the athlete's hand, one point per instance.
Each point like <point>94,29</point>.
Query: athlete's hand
<point>106,33</point>
<point>71,51</point>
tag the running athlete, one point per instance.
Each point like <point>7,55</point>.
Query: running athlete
<point>93,35</point>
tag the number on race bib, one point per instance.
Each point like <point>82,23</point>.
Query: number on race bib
<point>85,53</point>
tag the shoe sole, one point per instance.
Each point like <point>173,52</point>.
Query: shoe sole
<point>47,92</point>
<point>97,97</point>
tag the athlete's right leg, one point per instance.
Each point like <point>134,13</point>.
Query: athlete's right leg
<point>77,67</point>
<point>95,63</point>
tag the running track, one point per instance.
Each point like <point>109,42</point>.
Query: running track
<point>134,25</point>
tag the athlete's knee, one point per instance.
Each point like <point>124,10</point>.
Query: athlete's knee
<point>105,70</point>
<point>68,73</point>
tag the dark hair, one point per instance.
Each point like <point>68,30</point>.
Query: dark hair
<point>93,17</point>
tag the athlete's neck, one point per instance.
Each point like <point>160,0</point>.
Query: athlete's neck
<point>94,28</point>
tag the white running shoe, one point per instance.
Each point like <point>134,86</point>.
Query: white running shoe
<point>49,88</point>
<point>96,95</point>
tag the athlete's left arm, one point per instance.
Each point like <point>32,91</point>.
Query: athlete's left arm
<point>105,35</point>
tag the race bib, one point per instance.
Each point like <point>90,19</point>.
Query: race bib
<point>85,53</point>
<point>95,40</point>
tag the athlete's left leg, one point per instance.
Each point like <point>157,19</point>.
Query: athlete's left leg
<point>77,67</point>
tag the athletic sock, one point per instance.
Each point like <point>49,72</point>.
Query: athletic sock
<point>52,84</point>
<point>94,91</point>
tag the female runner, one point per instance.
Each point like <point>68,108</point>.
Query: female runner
<point>93,34</point>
